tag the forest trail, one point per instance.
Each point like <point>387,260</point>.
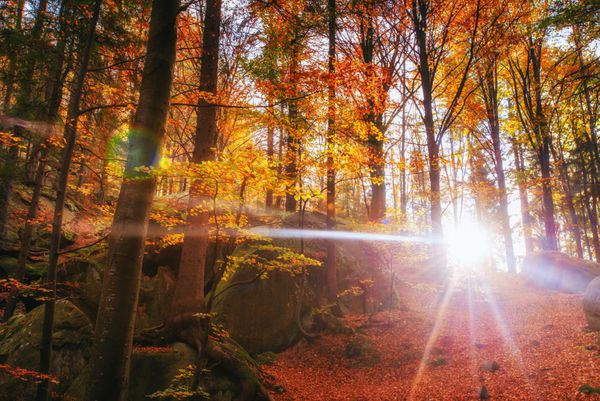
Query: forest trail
<point>429,351</point>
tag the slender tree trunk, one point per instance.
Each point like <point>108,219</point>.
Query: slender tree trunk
<point>270,154</point>
<point>526,219</point>
<point>293,140</point>
<point>188,297</point>
<point>489,86</point>
<point>27,235</point>
<point>70,135</point>
<point>54,90</point>
<point>590,207</point>
<point>111,350</point>
<point>279,199</point>
<point>331,128</point>
<point>12,62</point>
<point>543,150</point>
<point>568,202</point>
<point>432,144</point>
<point>374,119</point>
<point>8,173</point>
<point>24,96</point>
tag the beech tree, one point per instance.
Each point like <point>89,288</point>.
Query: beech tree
<point>113,336</point>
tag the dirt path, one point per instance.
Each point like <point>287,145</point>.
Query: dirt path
<point>428,352</point>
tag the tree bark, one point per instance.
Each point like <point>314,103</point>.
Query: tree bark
<point>26,76</point>
<point>331,171</point>
<point>12,62</point>
<point>489,87</point>
<point>27,235</point>
<point>526,219</point>
<point>293,140</point>
<point>270,155</point>
<point>70,135</point>
<point>111,350</point>
<point>188,297</point>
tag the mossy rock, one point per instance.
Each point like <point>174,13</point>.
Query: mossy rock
<point>261,315</point>
<point>156,294</point>
<point>20,347</point>
<point>9,266</point>
<point>82,278</point>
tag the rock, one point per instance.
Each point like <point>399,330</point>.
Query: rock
<point>83,279</point>
<point>591,304</point>
<point>153,371</point>
<point>19,347</point>
<point>260,316</point>
<point>557,271</point>
<point>156,294</point>
<point>490,366</point>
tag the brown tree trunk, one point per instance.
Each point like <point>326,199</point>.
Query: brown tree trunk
<point>374,119</point>
<point>568,202</point>
<point>27,234</point>
<point>293,140</point>
<point>188,297</point>
<point>70,135</point>
<point>270,154</point>
<point>526,219</point>
<point>24,96</point>
<point>8,173</point>
<point>12,62</point>
<point>331,128</point>
<point>111,350</point>
<point>420,22</point>
<point>489,87</point>
<point>590,207</point>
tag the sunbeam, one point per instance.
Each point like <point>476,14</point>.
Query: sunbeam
<point>337,235</point>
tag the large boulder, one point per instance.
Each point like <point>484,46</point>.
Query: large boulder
<point>20,347</point>
<point>557,271</point>
<point>259,314</point>
<point>591,304</point>
<point>152,369</point>
<point>156,294</point>
<point>82,280</point>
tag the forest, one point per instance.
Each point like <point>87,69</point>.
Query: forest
<point>283,200</point>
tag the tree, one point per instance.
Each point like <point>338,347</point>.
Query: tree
<point>188,298</point>
<point>70,136</point>
<point>113,337</point>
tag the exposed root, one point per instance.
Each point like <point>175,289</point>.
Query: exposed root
<point>251,387</point>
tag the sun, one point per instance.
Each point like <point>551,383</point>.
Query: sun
<point>468,245</point>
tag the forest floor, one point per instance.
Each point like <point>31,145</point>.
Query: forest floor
<point>517,341</point>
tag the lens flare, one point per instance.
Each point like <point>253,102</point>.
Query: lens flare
<point>468,245</point>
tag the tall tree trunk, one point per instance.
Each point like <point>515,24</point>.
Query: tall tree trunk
<point>568,202</point>
<point>24,96</point>
<point>12,62</point>
<point>54,89</point>
<point>27,235</point>
<point>111,350</point>
<point>590,207</point>
<point>8,173</point>
<point>489,86</point>
<point>293,140</point>
<point>331,128</point>
<point>420,22</point>
<point>188,297</point>
<point>526,219</point>
<point>70,135</point>
<point>543,148</point>
<point>270,155</point>
<point>374,119</point>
